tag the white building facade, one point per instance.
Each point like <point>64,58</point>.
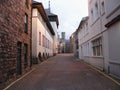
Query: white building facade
<point>42,33</point>
<point>112,8</point>
<point>98,36</point>
<point>53,18</point>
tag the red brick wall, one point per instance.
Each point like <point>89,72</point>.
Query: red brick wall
<point>11,31</point>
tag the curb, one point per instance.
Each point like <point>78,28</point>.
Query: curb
<point>18,79</point>
<point>106,75</point>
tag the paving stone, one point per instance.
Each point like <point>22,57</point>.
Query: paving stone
<point>63,72</point>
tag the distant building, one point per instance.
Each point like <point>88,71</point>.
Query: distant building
<point>74,43</point>
<point>15,39</point>
<point>68,47</point>
<point>64,44</point>
<point>42,34</point>
<point>63,36</point>
<point>61,46</point>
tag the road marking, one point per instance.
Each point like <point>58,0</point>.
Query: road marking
<point>18,79</point>
<point>102,73</point>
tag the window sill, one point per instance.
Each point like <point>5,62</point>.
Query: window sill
<point>103,13</point>
<point>95,21</point>
<point>114,62</point>
<point>97,56</point>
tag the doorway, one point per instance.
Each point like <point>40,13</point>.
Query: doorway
<point>19,58</point>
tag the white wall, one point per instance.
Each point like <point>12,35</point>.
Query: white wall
<point>40,26</point>
<point>55,45</point>
<point>112,11</point>
<point>95,30</point>
<point>114,49</point>
<point>34,32</point>
<point>110,61</point>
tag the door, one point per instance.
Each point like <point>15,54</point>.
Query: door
<point>19,58</point>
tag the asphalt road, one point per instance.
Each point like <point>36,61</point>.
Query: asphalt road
<point>64,72</point>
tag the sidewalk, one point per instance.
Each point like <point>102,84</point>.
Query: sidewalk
<point>63,72</point>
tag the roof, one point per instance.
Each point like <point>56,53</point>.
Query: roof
<point>81,22</point>
<point>41,9</point>
<point>52,17</point>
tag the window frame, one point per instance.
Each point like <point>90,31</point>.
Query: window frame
<point>102,7</point>
<point>92,15</point>
<point>97,47</point>
<point>39,38</point>
<point>96,10</point>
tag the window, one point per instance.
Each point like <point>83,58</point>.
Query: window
<point>86,49</point>
<point>26,23</point>
<point>27,3</point>
<point>97,47</point>
<point>96,10</point>
<point>43,40</point>
<point>102,8</point>
<point>25,55</point>
<point>39,38</point>
<point>48,44</point>
<point>19,58</point>
<point>86,26</point>
<point>92,16</point>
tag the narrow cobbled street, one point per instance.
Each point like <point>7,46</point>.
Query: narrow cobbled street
<point>64,72</point>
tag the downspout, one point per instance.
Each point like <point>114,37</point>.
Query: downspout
<point>31,38</point>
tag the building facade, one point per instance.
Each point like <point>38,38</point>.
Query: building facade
<point>74,43</point>
<point>83,44</point>
<point>68,46</point>
<point>93,36</point>
<point>61,46</point>
<point>53,18</point>
<point>112,8</point>
<point>42,34</point>
<point>65,45</point>
<point>98,36</point>
<point>15,39</point>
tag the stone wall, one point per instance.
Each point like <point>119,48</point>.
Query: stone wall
<point>12,14</point>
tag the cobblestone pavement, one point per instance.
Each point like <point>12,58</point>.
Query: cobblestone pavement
<point>63,72</point>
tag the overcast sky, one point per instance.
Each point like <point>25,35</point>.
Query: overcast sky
<point>70,13</point>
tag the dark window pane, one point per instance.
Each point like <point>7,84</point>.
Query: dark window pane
<point>25,54</point>
<point>26,23</point>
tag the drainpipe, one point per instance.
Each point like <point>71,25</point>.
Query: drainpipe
<point>31,38</point>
